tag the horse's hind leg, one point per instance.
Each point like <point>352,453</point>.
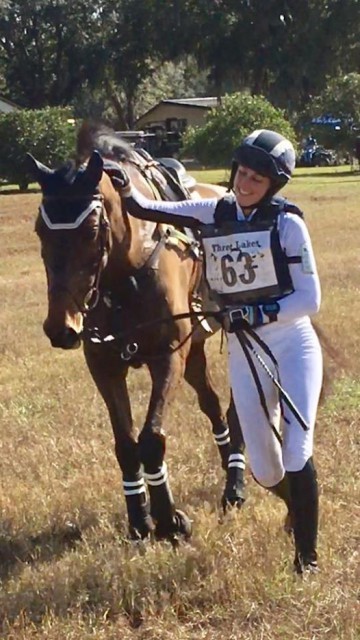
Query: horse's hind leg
<point>197,374</point>
<point>227,432</point>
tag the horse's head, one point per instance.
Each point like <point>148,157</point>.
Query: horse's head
<point>73,229</point>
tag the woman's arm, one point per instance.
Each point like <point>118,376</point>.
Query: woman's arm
<point>306,298</point>
<point>184,213</point>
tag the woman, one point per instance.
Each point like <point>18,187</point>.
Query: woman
<point>260,265</point>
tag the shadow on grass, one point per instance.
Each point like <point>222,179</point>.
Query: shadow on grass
<point>33,601</point>
<point>326,174</point>
<point>13,191</point>
<point>47,545</point>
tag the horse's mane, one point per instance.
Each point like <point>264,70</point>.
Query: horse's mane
<point>96,136</point>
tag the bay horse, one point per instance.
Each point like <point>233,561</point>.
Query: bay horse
<point>114,284</point>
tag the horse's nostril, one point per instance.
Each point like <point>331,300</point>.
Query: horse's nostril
<point>66,339</point>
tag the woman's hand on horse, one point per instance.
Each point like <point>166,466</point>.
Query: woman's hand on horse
<point>121,180</point>
<point>124,179</point>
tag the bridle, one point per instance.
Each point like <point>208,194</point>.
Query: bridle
<point>91,298</point>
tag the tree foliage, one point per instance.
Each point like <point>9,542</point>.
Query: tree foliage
<point>129,39</point>
<point>181,79</point>
<point>61,52</point>
<point>47,50</point>
<point>339,100</point>
<point>48,134</point>
<point>238,115</point>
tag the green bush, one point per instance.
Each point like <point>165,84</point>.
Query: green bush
<point>47,133</point>
<point>228,124</point>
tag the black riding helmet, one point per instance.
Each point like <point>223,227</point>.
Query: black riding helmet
<point>268,153</point>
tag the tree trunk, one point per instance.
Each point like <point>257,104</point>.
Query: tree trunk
<point>117,104</point>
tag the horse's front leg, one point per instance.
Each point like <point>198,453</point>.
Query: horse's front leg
<point>165,374</point>
<point>227,432</point>
<point>109,374</point>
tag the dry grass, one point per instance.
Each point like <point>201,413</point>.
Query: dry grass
<point>59,477</point>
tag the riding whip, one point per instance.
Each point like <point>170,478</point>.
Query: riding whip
<point>247,346</point>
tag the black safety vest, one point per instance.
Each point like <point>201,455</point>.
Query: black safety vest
<point>226,209</point>
<point>265,218</point>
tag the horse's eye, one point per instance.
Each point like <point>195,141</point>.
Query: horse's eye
<point>90,233</point>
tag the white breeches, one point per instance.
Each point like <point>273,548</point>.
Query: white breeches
<point>298,353</point>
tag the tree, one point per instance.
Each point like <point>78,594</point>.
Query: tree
<point>319,40</point>
<point>44,58</point>
<point>340,100</point>
<point>238,115</point>
<point>181,79</point>
<point>129,40</point>
<point>284,53</point>
<point>59,52</point>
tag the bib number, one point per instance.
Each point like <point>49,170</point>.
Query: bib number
<point>240,262</point>
<point>229,273</point>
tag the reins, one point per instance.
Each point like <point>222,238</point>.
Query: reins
<point>243,336</point>
<point>131,349</point>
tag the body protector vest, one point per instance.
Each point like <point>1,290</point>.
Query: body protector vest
<point>244,261</point>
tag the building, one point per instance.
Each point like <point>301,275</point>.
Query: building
<point>176,115</point>
<point>6,106</point>
<point>168,119</point>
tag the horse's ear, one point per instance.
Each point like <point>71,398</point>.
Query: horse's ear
<point>94,168</point>
<point>36,169</point>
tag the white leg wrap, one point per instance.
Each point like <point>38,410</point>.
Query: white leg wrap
<point>236,460</point>
<point>155,479</point>
<point>222,438</point>
<point>131,488</point>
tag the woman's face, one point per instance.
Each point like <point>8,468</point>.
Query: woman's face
<point>250,187</point>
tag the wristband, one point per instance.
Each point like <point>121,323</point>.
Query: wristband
<point>271,311</point>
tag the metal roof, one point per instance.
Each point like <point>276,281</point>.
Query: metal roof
<point>5,101</point>
<point>208,103</point>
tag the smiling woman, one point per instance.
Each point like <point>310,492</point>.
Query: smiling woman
<point>250,187</point>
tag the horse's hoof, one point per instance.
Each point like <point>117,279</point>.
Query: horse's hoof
<point>135,535</point>
<point>180,528</point>
<point>231,498</point>
<point>142,531</point>
<point>183,524</point>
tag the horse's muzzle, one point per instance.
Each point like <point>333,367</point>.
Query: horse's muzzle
<point>66,339</point>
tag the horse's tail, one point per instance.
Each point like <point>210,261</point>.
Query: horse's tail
<point>334,361</point>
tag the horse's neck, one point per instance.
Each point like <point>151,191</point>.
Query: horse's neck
<point>133,240</point>
<point>132,244</point>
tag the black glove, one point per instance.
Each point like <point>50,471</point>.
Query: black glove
<point>119,177</point>
<point>123,179</point>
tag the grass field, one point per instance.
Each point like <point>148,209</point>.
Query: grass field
<point>59,476</point>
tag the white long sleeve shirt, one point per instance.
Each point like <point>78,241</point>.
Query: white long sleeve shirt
<point>293,235</point>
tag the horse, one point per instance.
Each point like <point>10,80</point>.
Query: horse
<point>124,289</point>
